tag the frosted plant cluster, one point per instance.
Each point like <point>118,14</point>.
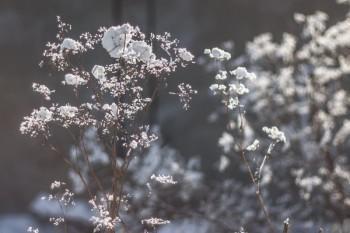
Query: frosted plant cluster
<point>283,151</point>
<point>285,143</point>
<point>232,86</point>
<point>301,87</point>
<point>104,113</point>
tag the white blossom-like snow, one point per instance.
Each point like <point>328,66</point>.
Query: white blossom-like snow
<point>71,44</point>
<point>74,80</point>
<point>112,108</point>
<point>221,75</point>
<point>43,90</point>
<point>218,54</point>
<point>254,146</point>
<point>240,89</point>
<point>185,55</point>
<point>116,40</point>
<point>233,102</point>
<point>241,73</point>
<point>155,221</point>
<point>44,114</point>
<point>142,51</point>
<point>274,133</point>
<point>68,111</point>
<point>164,179</point>
<point>99,72</point>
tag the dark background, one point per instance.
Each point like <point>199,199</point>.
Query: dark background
<point>25,26</point>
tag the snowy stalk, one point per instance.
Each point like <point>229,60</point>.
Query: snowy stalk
<point>230,88</point>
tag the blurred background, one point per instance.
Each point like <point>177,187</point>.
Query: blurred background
<point>26,168</point>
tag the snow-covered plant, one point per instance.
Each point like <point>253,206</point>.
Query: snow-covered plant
<point>214,205</point>
<point>301,86</point>
<point>102,109</point>
<point>232,85</point>
<point>274,83</point>
<point>155,194</point>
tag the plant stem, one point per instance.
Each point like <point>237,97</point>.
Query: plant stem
<point>251,175</point>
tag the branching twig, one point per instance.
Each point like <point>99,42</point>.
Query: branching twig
<point>251,175</point>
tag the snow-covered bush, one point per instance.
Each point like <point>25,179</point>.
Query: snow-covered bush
<point>239,145</point>
<point>300,85</point>
<point>103,112</point>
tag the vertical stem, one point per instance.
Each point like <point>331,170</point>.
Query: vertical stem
<point>251,175</point>
<point>286,226</point>
<point>114,181</point>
